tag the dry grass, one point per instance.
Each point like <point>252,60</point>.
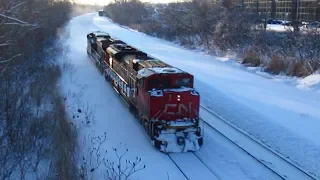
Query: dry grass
<point>251,58</point>
<point>299,68</point>
<point>276,65</point>
<point>289,66</point>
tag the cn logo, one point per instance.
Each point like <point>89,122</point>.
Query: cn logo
<point>171,108</point>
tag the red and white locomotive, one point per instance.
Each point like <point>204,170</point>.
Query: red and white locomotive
<point>162,97</point>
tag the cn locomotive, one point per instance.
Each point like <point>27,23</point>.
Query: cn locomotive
<point>160,96</point>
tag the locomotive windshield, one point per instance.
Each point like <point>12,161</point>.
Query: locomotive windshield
<point>183,82</point>
<point>159,83</point>
<point>166,83</point>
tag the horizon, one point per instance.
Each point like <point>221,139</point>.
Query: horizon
<point>105,2</point>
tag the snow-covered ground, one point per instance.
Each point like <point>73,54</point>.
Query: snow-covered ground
<point>283,28</point>
<point>310,82</point>
<point>286,118</point>
<point>279,27</point>
<point>96,109</point>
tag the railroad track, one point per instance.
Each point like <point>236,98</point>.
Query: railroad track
<point>274,161</point>
<point>192,167</point>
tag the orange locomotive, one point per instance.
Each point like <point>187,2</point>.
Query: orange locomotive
<point>162,97</point>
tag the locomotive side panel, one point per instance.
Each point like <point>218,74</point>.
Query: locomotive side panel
<point>142,99</point>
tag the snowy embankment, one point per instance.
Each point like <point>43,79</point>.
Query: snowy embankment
<point>97,109</point>
<point>282,116</point>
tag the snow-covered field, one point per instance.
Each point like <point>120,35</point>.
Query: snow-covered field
<point>283,116</point>
<point>97,109</point>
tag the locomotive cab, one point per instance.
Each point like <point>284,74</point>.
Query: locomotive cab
<point>94,40</point>
<point>101,12</point>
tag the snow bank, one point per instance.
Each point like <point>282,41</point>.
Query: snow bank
<point>310,82</point>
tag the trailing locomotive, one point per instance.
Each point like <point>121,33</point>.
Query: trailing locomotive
<point>160,96</point>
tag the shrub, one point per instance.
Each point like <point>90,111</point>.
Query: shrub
<point>276,65</point>
<point>299,68</point>
<point>251,58</point>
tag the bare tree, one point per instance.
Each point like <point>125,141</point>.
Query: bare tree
<point>28,78</point>
<point>97,160</point>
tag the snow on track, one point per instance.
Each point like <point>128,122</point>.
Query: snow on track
<point>192,167</point>
<point>270,158</point>
<point>228,161</point>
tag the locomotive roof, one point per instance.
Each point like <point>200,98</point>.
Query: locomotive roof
<point>146,72</point>
<point>107,42</point>
<point>115,40</point>
<point>149,62</point>
<point>120,47</point>
<point>100,33</point>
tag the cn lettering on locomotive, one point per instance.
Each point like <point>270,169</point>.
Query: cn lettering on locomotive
<point>160,96</point>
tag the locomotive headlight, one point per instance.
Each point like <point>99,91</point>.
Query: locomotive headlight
<point>178,97</point>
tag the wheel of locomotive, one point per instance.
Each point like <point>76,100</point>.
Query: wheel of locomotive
<point>157,144</point>
<point>119,90</point>
<point>155,135</point>
<point>156,129</point>
<point>200,141</point>
<point>101,69</point>
<point>140,118</point>
<point>107,77</point>
<point>198,133</point>
<point>146,127</point>
<point>131,109</point>
<point>97,65</point>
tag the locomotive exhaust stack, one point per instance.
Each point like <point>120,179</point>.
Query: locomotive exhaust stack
<point>160,96</point>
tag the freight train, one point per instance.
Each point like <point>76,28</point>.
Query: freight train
<point>160,96</point>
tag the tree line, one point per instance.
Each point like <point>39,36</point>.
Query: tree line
<point>36,139</point>
<point>224,28</point>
